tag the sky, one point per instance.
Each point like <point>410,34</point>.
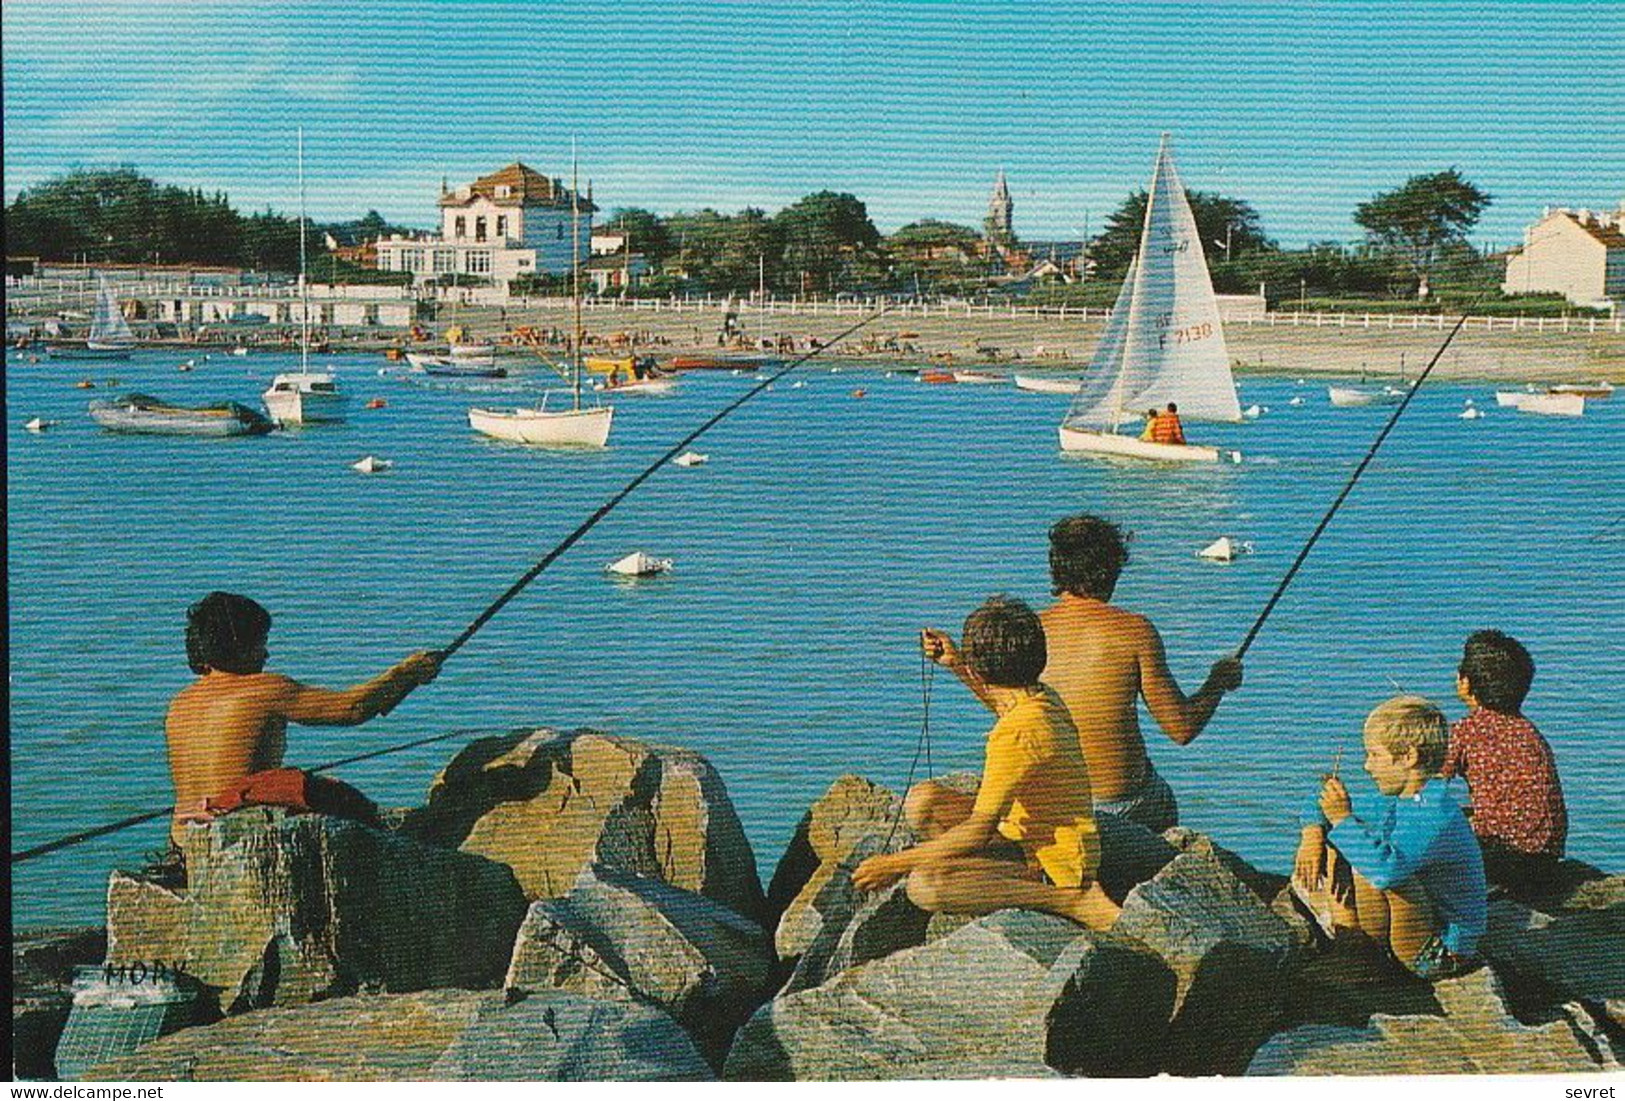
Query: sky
<point>1303,109</point>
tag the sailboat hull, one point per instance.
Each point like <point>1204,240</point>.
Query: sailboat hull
<point>1076,441</point>
<point>567,428</point>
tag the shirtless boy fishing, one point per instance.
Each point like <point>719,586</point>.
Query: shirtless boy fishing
<point>1102,660</point>
<point>227,730</point>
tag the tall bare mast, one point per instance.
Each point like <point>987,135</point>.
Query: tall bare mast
<point>575,266</point>
<point>304,282</point>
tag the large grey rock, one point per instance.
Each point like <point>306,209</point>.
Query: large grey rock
<point>559,1037</point>
<point>1266,885</point>
<point>1474,1035</point>
<point>1032,989</point>
<point>1578,955</point>
<point>391,1037</point>
<point>547,804</point>
<point>1228,950</point>
<point>881,923</point>
<point>851,820</point>
<point>282,908</point>
<point>42,964</point>
<point>621,937</point>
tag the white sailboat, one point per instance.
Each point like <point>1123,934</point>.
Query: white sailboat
<point>576,426</point>
<point>305,396</point>
<point>110,336</point>
<point>1163,343</point>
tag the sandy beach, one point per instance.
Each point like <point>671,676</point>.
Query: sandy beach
<point>1501,354</point>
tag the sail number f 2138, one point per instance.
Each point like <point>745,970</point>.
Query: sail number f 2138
<point>1190,334</point>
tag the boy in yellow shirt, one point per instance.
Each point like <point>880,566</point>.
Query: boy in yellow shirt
<point>1027,839</point>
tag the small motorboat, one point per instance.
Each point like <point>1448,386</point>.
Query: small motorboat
<point>980,378</point>
<point>39,424</point>
<point>1556,405</point>
<point>653,385</point>
<point>1347,396</point>
<point>372,465</point>
<point>240,350</point>
<point>1298,400</point>
<point>937,378</point>
<point>1597,391</point>
<point>1471,413</point>
<point>638,564</point>
<point>1037,385</point>
<point>692,458</point>
<point>1253,412</point>
<point>141,414</point>
<point>703,362</point>
<point>454,367</point>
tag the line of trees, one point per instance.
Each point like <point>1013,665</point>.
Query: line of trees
<point>118,216</point>
<point>824,244</point>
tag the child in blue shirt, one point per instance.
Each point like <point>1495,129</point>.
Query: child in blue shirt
<point>1418,875</point>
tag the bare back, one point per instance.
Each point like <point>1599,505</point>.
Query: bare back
<point>221,728</point>
<point>1096,653</point>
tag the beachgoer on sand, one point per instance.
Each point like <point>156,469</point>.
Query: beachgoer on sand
<point>1102,660</point>
<point>227,730</point>
<point>1399,864</point>
<point>1517,809</point>
<point>1027,838</point>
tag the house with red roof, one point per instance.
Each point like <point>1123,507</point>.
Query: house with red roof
<point>513,222</point>
<point>1579,254</point>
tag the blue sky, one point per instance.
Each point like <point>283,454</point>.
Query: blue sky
<point>1303,109</point>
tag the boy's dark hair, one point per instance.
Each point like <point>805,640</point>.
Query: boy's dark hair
<point>225,631</point>
<point>1004,643</point>
<point>1498,670</point>
<point>1086,555</point>
<point>1172,408</point>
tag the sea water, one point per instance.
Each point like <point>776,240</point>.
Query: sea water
<point>825,530</point>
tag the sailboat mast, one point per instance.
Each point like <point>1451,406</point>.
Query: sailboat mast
<point>575,267</point>
<point>1145,237</point>
<point>304,284</point>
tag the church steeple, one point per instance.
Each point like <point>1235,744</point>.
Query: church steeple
<point>999,212</point>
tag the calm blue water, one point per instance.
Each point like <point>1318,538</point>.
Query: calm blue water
<point>824,532</point>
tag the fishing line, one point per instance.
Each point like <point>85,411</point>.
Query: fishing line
<point>1370,454</point>
<point>148,815</point>
<point>922,744</point>
<point>497,605</point>
<point>608,506</point>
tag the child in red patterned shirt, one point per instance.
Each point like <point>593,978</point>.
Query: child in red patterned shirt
<point>1518,811</point>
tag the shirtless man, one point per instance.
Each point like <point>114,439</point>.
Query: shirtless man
<point>231,723</point>
<point>1102,660</point>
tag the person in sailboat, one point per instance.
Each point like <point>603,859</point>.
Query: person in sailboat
<point>1149,432</point>
<point>1027,838</point>
<point>1102,661</point>
<point>1167,427</point>
<point>227,730</point>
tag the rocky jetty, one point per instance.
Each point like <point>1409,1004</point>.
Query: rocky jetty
<point>578,906</point>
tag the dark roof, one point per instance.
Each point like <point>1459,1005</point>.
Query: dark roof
<point>526,187</point>
<point>1609,235</point>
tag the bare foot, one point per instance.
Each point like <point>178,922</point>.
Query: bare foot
<point>1091,908</point>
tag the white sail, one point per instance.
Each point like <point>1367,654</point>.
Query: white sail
<point>1165,340</point>
<point>107,326</point>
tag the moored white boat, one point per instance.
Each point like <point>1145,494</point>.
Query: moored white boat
<point>371,464</point>
<point>563,428</point>
<point>1557,405</point>
<point>1163,344</point>
<point>979,378</point>
<point>1037,385</point>
<point>452,367</point>
<point>110,336</point>
<point>1346,396</point>
<point>641,386</point>
<point>305,396</point>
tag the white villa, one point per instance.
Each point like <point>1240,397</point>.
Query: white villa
<point>513,222</point>
<point>1576,253</point>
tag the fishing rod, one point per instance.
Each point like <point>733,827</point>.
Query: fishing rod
<point>82,836</point>
<point>1370,454</point>
<point>609,506</point>
<point>513,590</point>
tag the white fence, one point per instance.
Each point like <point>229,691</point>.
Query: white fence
<point>1249,318</point>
